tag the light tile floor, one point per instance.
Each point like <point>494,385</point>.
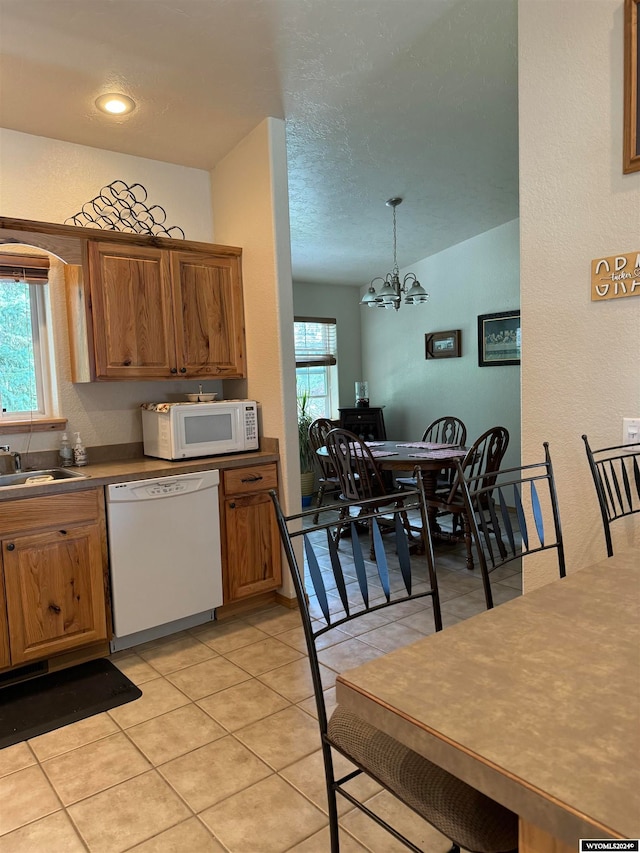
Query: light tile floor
<point>221,752</point>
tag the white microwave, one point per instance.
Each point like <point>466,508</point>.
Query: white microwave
<point>186,430</point>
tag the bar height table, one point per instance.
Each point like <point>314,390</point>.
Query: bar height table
<point>536,703</point>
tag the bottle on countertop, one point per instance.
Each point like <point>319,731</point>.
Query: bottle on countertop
<point>66,451</point>
<point>79,452</point>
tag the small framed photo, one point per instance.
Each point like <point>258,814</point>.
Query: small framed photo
<point>443,344</point>
<point>631,87</point>
<point>499,338</point>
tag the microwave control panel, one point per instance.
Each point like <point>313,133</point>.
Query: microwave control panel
<point>251,427</point>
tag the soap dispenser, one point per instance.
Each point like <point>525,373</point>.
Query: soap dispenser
<point>66,451</point>
<point>79,452</point>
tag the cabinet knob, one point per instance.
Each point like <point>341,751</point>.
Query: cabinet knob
<point>174,370</point>
<point>11,547</point>
<point>183,370</point>
<point>232,505</point>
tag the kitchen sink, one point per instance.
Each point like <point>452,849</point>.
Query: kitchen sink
<point>40,477</point>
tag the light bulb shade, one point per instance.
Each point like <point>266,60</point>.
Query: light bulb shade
<point>416,294</point>
<point>370,296</point>
<point>387,295</point>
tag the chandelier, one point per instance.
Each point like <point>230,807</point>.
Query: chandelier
<point>390,294</point>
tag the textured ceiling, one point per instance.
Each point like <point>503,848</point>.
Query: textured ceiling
<point>411,98</point>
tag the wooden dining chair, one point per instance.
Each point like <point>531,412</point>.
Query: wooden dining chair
<point>482,459</point>
<point>326,474</point>
<point>616,476</point>
<point>512,513</point>
<point>445,430</point>
<point>359,476</point>
<point>337,586</point>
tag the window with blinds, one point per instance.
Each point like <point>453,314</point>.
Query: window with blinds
<point>315,342</point>
<point>25,374</point>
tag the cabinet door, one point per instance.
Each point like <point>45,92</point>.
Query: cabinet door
<point>132,312</point>
<point>5,659</point>
<point>55,591</point>
<point>252,546</point>
<point>209,315</point>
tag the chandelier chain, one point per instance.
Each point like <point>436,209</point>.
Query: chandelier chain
<point>395,244</point>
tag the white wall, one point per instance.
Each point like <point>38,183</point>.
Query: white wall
<point>47,180</point>
<point>581,369</point>
<point>343,303</point>
<point>479,276</point>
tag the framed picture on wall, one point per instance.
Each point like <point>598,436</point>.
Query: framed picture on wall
<point>631,87</point>
<point>499,338</point>
<point>443,344</point>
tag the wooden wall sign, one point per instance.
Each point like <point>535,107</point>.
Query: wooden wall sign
<point>615,277</point>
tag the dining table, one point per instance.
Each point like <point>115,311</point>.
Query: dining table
<point>405,456</point>
<point>535,703</point>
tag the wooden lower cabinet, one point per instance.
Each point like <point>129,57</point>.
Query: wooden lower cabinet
<point>250,541</point>
<point>5,657</point>
<point>54,563</point>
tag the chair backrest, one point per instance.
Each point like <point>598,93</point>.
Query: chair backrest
<point>355,465</point>
<point>341,585</point>
<point>511,514</point>
<point>483,458</point>
<point>318,430</point>
<point>446,430</point>
<point>616,476</point>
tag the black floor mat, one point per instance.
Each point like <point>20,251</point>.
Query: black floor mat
<point>48,702</point>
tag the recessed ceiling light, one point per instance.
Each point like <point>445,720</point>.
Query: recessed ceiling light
<point>115,104</point>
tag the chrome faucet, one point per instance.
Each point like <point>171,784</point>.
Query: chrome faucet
<point>17,459</point>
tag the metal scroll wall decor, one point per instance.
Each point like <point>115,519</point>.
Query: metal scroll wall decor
<point>120,207</point>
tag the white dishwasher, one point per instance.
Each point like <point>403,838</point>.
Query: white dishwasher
<point>164,553</point>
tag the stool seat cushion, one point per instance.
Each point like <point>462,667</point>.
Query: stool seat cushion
<point>470,819</point>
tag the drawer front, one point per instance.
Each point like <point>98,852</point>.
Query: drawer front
<point>256,478</point>
<point>48,511</point>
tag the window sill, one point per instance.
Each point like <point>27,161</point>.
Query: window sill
<point>32,425</point>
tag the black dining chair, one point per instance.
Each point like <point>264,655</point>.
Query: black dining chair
<point>445,430</point>
<point>326,474</point>
<point>482,459</point>
<point>359,476</point>
<point>511,514</point>
<point>336,586</point>
<point>616,476</point>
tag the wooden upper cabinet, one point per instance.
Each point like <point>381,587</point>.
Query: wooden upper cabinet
<point>132,311</point>
<point>207,304</point>
<point>145,307</point>
<point>159,313</point>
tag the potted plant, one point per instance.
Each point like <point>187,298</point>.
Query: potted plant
<point>307,466</point>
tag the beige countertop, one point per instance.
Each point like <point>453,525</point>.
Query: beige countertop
<point>536,703</point>
<point>140,468</point>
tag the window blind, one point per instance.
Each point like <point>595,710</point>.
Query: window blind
<point>315,341</point>
<point>31,269</point>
